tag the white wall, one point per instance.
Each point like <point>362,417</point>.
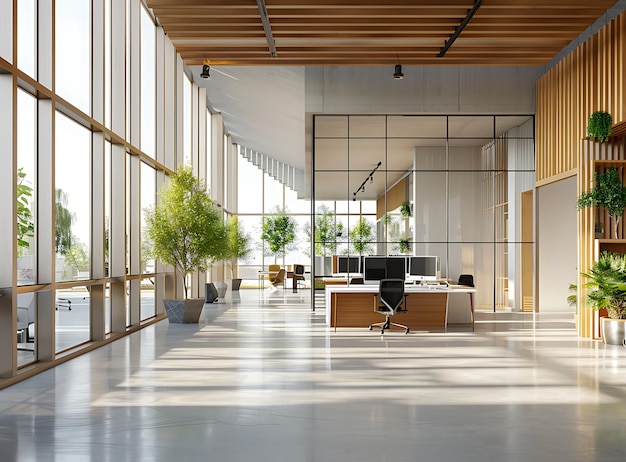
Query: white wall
<point>556,244</point>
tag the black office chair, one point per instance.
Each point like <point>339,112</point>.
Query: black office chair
<point>391,292</point>
<point>298,274</point>
<point>466,280</point>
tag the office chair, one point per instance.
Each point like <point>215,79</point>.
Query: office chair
<point>391,292</point>
<point>298,274</point>
<point>279,279</point>
<point>466,280</point>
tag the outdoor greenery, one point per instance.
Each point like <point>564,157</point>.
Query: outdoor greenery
<point>238,243</point>
<point>328,232</point>
<point>186,228</point>
<point>362,237</point>
<point>609,192</point>
<point>63,239</point>
<point>599,126</point>
<point>25,221</point>
<point>607,284</point>
<point>278,232</point>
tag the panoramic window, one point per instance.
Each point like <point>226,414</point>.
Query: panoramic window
<point>148,84</point>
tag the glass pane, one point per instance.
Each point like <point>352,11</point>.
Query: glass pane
<point>468,154</point>
<point>273,193</point>
<point>27,36</point>
<point>331,154</point>
<point>148,196</point>
<point>470,127</point>
<point>478,260</point>
<point>71,317</point>
<point>73,52</point>
<point>294,204</point>
<point>148,307</point>
<point>470,213</point>
<point>331,186</point>
<point>6,30</point>
<point>148,84</point>
<point>26,189</point>
<point>73,208</point>
<point>430,207</point>
<point>515,126</point>
<point>416,126</point>
<point>250,187</point>
<point>367,126</point>
<point>26,338</point>
<point>330,126</point>
<point>187,128</point>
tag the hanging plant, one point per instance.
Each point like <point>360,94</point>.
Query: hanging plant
<point>406,209</point>
<point>405,245</point>
<point>599,126</point>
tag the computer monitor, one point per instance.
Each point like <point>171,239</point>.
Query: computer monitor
<point>374,269</point>
<point>377,268</point>
<point>348,264</point>
<point>423,268</point>
<point>396,267</point>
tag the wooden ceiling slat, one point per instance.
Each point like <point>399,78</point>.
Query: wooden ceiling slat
<point>315,32</point>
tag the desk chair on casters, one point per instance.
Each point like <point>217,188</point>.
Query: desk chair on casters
<point>298,275</point>
<point>391,296</point>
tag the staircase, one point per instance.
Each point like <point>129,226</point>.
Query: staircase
<point>290,176</point>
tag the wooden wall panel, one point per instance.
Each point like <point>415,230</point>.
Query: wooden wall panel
<point>591,78</point>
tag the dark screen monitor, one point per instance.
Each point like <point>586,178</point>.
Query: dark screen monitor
<point>423,268</point>
<point>396,267</point>
<point>347,264</point>
<point>375,268</point>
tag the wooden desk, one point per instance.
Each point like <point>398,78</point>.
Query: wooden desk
<point>355,306</point>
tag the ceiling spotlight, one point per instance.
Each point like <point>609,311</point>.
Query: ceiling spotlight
<point>397,73</point>
<point>205,70</point>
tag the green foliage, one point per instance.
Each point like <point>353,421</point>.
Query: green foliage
<point>607,284</point>
<point>599,126</point>
<point>278,231</point>
<point>77,256</point>
<point>572,298</point>
<point>64,239</point>
<point>406,209</point>
<point>25,222</point>
<point>386,219</point>
<point>362,237</point>
<point>186,228</point>
<point>405,245</point>
<point>238,243</point>
<point>328,232</point>
<point>609,192</point>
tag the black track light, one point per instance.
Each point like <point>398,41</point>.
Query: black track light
<point>397,73</point>
<point>205,71</point>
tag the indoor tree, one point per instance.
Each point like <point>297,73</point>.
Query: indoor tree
<point>362,237</point>
<point>238,243</point>
<point>278,232</point>
<point>609,192</point>
<point>186,228</point>
<point>328,233</point>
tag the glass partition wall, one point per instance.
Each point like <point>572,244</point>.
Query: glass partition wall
<point>459,187</point>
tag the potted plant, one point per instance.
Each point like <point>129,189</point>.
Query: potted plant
<point>606,282</point>
<point>609,192</point>
<point>405,245</point>
<point>599,126</point>
<point>187,231</point>
<point>238,248</point>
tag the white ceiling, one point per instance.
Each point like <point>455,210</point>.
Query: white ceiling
<point>263,107</point>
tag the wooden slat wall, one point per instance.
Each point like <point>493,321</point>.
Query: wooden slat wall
<point>591,78</point>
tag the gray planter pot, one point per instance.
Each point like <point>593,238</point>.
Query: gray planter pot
<point>184,311</point>
<point>613,331</point>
